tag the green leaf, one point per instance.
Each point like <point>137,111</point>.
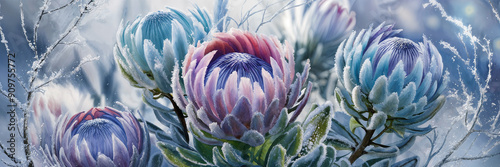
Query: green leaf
<point>338,97</point>
<point>313,107</point>
<point>277,156</point>
<point>316,126</point>
<point>292,140</point>
<point>191,156</point>
<point>329,157</point>
<point>173,156</point>
<point>157,160</point>
<point>311,159</point>
<point>372,161</point>
<point>353,124</point>
<point>219,160</point>
<point>233,156</point>
<point>280,123</point>
<point>204,149</point>
<point>338,144</point>
<point>344,163</point>
<point>400,131</point>
<point>129,77</point>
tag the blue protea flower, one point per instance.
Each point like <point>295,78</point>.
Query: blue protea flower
<point>237,86</point>
<point>148,48</point>
<point>101,137</point>
<point>390,80</point>
<point>317,30</point>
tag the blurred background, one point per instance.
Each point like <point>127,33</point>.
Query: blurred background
<point>104,84</point>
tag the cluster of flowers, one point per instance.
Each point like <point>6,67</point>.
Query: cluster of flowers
<point>242,97</point>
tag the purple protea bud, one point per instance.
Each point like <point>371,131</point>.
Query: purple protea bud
<point>237,84</point>
<point>101,137</point>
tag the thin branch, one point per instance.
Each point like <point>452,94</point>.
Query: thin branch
<point>37,24</point>
<point>494,11</point>
<point>39,64</point>
<point>44,56</point>
<point>23,26</point>
<point>61,7</point>
<point>12,158</point>
<point>474,158</point>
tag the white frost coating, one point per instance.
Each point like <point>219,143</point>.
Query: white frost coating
<point>470,104</point>
<point>35,81</point>
<point>84,61</point>
<point>447,45</point>
<point>377,121</point>
<point>357,99</point>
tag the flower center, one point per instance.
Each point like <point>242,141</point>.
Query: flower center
<point>246,65</point>
<point>402,50</point>
<point>98,135</point>
<point>156,27</point>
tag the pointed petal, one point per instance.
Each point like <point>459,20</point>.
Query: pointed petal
<point>379,90</point>
<point>231,91</point>
<point>366,76</point>
<point>407,94</point>
<point>390,105</point>
<point>120,152</point>
<point>357,99</point>
<point>243,111</point>
<point>220,105</point>
<point>397,78</point>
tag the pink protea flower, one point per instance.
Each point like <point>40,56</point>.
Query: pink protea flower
<point>237,85</point>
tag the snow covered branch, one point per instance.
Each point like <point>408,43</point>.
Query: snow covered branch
<point>469,107</point>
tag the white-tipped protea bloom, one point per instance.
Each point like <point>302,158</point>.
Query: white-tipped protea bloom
<point>147,49</point>
<point>48,105</point>
<point>316,30</point>
<point>237,86</point>
<point>393,78</point>
<point>100,137</point>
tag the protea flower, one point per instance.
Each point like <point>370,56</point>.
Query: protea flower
<point>237,85</point>
<point>317,30</point>
<point>101,137</point>
<point>390,80</point>
<point>48,106</point>
<point>147,49</point>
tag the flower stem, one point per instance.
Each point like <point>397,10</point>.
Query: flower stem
<point>180,116</point>
<point>359,150</point>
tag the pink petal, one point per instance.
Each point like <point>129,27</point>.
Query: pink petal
<point>302,103</point>
<point>272,48</point>
<point>247,46</point>
<point>277,71</point>
<point>220,106</point>
<point>231,91</point>
<point>189,88</point>
<point>243,111</point>
<point>191,112</point>
<point>280,91</point>
<point>188,59</point>
<point>177,91</point>
<point>198,86</point>
<point>245,88</point>
<point>268,86</point>
<point>205,61</point>
<point>231,40</point>
<point>271,114</point>
<point>211,87</point>
<point>253,42</point>
<point>265,53</point>
<point>259,99</point>
<point>294,92</point>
